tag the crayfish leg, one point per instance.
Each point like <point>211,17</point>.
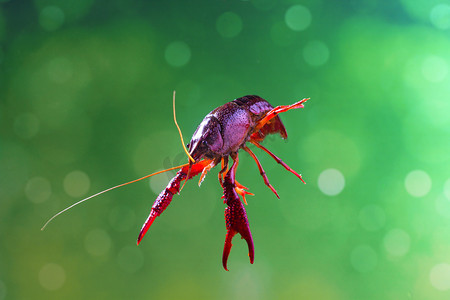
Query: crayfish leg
<point>277,159</point>
<point>261,170</point>
<point>206,170</point>
<point>223,171</point>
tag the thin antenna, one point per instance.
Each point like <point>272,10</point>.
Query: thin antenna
<point>179,130</point>
<point>112,188</point>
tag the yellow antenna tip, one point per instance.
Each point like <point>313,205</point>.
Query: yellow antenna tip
<point>179,130</point>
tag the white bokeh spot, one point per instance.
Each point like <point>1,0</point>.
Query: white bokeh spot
<point>38,190</point>
<point>76,183</point>
<point>440,276</point>
<point>417,183</point>
<point>434,68</point>
<point>298,17</point>
<point>447,189</point>
<point>440,16</point>
<point>52,276</point>
<point>331,182</point>
<point>177,54</point>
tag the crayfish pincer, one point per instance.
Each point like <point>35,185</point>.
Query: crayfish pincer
<point>219,136</point>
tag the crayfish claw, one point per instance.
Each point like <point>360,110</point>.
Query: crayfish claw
<point>235,218</point>
<point>146,226</point>
<point>227,248</point>
<point>237,223</point>
<point>166,195</point>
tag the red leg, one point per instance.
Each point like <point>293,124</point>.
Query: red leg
<point>235,216</point>
<point>261,170</point>
<point>224,169</point>
<point>206,170</point>
<point>277,159</point>
<point>240,189</point>
<point>165,197</point>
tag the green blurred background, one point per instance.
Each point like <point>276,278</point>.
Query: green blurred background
<point>85,104</point>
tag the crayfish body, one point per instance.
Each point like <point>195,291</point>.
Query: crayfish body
<point>219,136</point>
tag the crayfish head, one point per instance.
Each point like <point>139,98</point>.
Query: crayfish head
<point>207,140</point>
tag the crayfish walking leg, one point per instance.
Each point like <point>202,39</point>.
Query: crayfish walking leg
<point>235,215</point>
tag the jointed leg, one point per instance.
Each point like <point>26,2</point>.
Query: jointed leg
<point>261,170</point>
<point>277,159</point>
<point>206,169</point>
<point>224,169</point>
<point>240,189</point>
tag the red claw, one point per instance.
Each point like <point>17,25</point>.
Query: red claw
<point>165,197</point>
<point>235,217</point>
<point>236,222</point>
<point>146,226</point>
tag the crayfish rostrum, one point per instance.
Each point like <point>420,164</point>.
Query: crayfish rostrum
<point>221,134</point>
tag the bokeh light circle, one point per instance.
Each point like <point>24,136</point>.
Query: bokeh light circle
<point>297,17</point>
<point>440,16</point>
<point>316,53</point>
<point>417,183</point>
<point>331,182</point>
<point>397,242</point>
<point>440,276</point>
<point>434,68</point>
<point>372,217</point>
<point>38,190</point>
<point>229,24</point>
<point>52,276</point>
<point>51,17</point>
<point>76,183</point>
<point>363,258</point>
<point>26,125</point>
<point>447,188</point>
<point>177,54</point>
<point>158,183</point>
<point>443,206</point>
<point>97,242</point>
<point>130,259</point>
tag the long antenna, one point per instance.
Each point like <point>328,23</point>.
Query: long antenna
<point>139,179</point>
<point>179,130</point>
<point>112,188</point>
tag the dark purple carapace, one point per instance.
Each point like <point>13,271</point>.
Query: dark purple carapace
<point>227,128</point>
<point>219,136</point>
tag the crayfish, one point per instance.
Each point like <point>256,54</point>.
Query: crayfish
<point>221,134</point>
